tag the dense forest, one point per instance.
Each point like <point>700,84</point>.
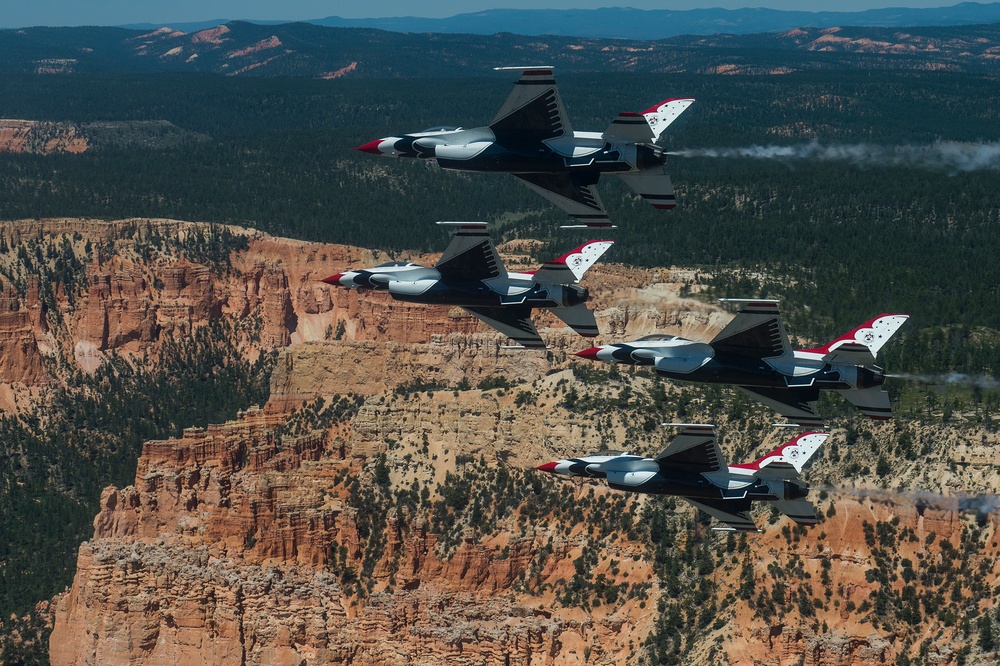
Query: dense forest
<point>839,241</point>
<point>86,435</point>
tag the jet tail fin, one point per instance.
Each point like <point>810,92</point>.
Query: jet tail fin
<point>787,460</point>
<point>800,510</point>
<point>663,114</point>
<point>872,334</point>
<point>569,268</point>
<point>580,318</point>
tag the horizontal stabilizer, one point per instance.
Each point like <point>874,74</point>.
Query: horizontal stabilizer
<point>800,510</point>
<point>570,268</point>
<point>850,353</point>
<point>873,402</point>
<point>580,318</point>
<point>663,114</point>
<point>629,126</point>
<point>654,186</point>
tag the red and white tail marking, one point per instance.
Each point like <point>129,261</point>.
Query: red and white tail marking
<point>571,266</point>
<point>663,114</point>
<point>793,453</point>
<point>872,334</point>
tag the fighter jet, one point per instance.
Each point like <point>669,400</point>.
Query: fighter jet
<point>753,354</point>
<point>470,274</point>
<point>531,138</point>
<point>692,468</point>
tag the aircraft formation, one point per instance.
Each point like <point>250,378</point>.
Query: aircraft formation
<point>531,139</point>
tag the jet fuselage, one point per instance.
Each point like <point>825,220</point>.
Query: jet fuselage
<point>478,150</point>
<point>644,475</point>
<point>686,360</point>
<point>418,284</point>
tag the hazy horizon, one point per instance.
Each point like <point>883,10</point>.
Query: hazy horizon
<point>61,13</point>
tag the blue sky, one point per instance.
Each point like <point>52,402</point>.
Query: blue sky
<point>21,13</point>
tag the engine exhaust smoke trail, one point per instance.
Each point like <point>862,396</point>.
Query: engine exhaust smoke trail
<point>952,378</point>
<point>983,504</point>
<point>948,156</point>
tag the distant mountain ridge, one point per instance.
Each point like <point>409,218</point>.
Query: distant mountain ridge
<point>313,51</point>
<point>628,23</point>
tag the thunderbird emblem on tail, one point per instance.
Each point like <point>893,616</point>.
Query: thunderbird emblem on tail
<point>471,275</point>
<point>531,138</point>
<point>753,353</point>
<point>692,468</point>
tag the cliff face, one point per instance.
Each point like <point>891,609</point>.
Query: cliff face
<point>234,547</point>
<point>381,508</point>
<point>244,543</point>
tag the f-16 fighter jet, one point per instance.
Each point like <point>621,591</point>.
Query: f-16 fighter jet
<point>692,467</point>
<point>471,275</point>
<point>531,138</point>
<point>753,354</point>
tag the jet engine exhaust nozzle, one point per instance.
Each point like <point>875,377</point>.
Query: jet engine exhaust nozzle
<point>576,295</point>
<point>870,376</point>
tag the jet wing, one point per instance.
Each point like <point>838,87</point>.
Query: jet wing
<point>533,112</point>
<point>798,405</point>
<point>514,322</point>
<point>575,194</point>
<point>694,450</point>
<point>471,255</point>
<point>756,332</point>
<point>580,318</point>
<point>734,513</point>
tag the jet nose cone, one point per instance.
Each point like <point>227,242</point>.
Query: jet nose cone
<point>334,279</point>
<point>548,467</point>
<point>371,147</point>
<point>589,353</point>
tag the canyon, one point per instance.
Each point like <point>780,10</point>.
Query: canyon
<point>381,507</point>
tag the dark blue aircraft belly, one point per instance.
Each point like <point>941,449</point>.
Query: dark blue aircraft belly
<point>475,294</point>
<point>738,372</point>
<point>536,159</point>
<point>696,487</point>
<point>752,372</point>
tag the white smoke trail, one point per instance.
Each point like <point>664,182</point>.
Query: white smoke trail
<point>954,378</point>
<point>984,504</point>
<point>949,156</point>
